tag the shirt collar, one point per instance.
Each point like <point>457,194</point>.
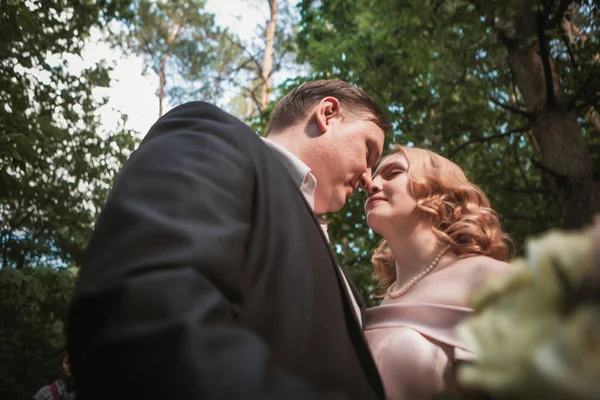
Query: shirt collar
<point>300,172</point>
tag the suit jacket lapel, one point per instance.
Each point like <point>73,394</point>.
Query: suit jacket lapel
<point>355,292</point>
<point>356,332</point>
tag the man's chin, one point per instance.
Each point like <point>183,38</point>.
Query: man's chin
<point>333,207</point>
<point>339,204</point>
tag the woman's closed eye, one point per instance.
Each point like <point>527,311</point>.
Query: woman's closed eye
<point>394,172</point>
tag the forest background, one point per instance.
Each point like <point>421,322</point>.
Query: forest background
<point>507,89</point>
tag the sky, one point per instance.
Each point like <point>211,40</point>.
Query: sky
<point>132,91</point>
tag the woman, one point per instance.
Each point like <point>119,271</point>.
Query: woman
<point>61,389</point>
<point>441,241</point>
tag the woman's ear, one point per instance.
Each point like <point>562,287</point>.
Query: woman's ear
<point>326,112</point>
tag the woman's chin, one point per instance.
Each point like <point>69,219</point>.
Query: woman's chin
<point>375,221</point>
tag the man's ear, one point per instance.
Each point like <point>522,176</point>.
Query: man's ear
<point>327,111</point>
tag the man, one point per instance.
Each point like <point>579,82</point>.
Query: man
<point>208,276</point>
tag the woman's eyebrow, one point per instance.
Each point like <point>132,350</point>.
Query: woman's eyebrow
<point>382,168</point>
<point>387,166</point>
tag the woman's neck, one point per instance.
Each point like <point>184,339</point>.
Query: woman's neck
<point>413,254</point>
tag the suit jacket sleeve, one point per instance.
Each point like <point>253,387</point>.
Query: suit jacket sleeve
<point>154,312</point>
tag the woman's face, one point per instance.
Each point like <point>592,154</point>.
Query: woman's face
<point>65,367</point>
<point>389,203</point>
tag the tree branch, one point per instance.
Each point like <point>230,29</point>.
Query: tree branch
<point>589,102</point>
<point>519,217</point>
<point>545,56</point>
<point>515,89</point>
<point>461,79</point>
<point>488,20</point>
<point>526,191</point>
<point>582,36</point>
<point>240,67</point>
<point>510,108</point>
<point>487,139</point>
<point>277,64</point>
<point>407,120</point>
<point>253,97</point>
<point>245,50</point>
<point>594,122</point>
<point>561,179</point>
<point>574,99</point>
<point>558,14</point>
<point>570,52</point>
<point>522,171</point>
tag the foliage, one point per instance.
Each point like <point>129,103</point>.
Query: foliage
<point>181,40</point>
<point>439,67</point>
<point>536,330</point>
<point>441,71</point>
<point>284,51</point>
<point>56,165</point>
<point>33,304</point>
<point>199,60</point>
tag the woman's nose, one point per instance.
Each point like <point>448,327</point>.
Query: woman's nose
<point>374,187</point>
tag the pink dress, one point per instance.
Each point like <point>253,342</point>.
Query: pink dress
<point>415,346</point>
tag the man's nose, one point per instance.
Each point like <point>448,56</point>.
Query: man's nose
<point>365,179</point>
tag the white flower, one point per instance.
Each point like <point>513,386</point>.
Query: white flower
<point>535,337</point>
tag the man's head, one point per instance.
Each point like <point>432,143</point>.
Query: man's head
<point>337,130</point>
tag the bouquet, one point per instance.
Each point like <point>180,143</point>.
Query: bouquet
<point>537,330</point>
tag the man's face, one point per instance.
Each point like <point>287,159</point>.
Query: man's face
<point>347,152</point>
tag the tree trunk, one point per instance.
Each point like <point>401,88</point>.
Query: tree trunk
<point>594,121</point>
<point>249,108</point>
<point>163,65</point>
<point>564,157</point>
<point>161,88</point>
<point>267,64</point>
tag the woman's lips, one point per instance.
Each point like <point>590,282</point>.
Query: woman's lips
<point>372,202</point>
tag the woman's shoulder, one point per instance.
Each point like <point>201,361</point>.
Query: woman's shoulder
<point>483,268</point>
<point>486,263</point>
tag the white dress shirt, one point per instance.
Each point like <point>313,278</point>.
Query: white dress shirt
<point>307,183</point>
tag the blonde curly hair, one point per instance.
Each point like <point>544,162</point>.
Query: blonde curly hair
<point>459,212</point>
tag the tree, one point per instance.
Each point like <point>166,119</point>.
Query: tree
<point>195,59</point>
<point>56,164</point>
<point>33,306</point>
<point>267,64</point>
<point>270,52</point>
<point>451,84</point>
<point>180,41</point>
<point>539,37</point>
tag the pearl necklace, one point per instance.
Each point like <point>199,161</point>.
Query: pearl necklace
<point>417,278</point>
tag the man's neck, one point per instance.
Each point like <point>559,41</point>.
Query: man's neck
<point>291,142</point>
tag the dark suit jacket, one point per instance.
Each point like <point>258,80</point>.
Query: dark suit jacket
<point>208,277</point>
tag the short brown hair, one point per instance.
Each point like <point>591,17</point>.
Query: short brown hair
<point>301,99</point>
